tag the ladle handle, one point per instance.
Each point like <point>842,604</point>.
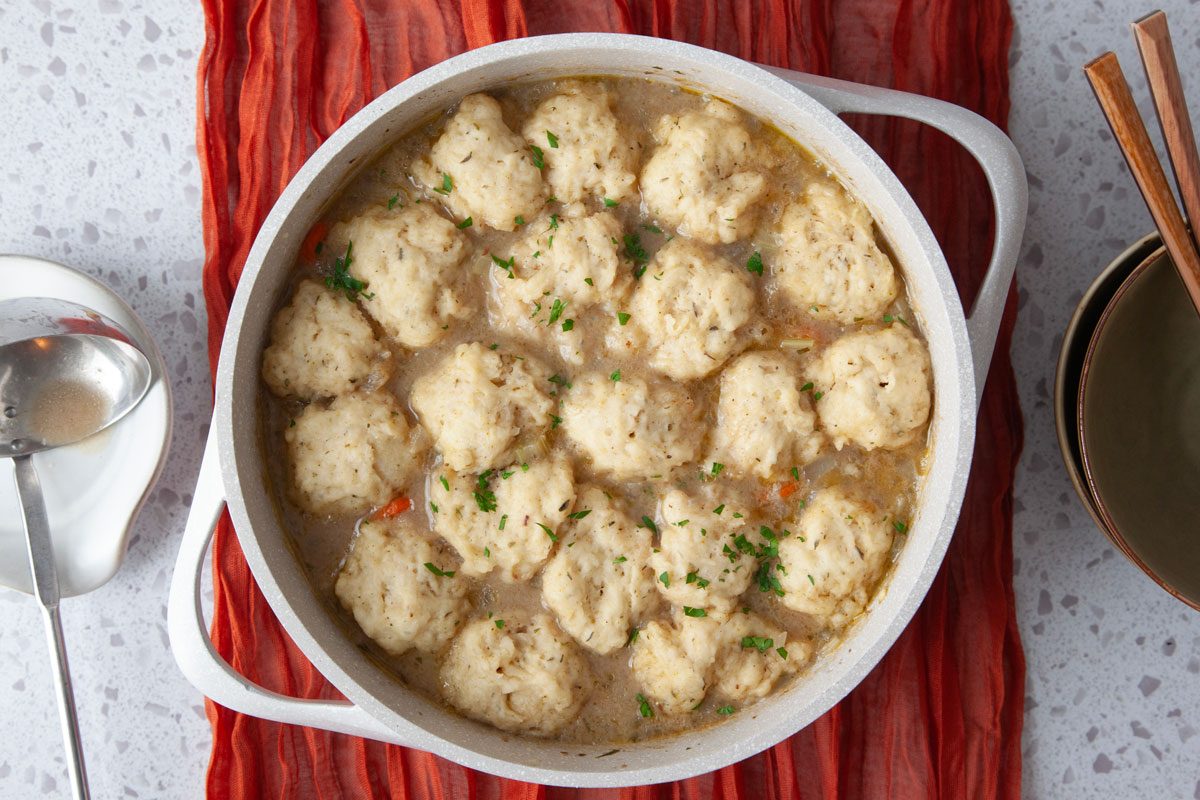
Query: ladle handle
<point>45,588</point>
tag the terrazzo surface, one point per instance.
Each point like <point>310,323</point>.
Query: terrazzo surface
<point>99,171</point>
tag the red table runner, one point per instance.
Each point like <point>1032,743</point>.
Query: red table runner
<point>941,715</point>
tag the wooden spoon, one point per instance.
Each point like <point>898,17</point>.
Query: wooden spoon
<point>1158,56</point>
<point>1112,92</point>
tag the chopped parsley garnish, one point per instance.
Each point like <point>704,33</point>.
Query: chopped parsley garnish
<point>694,577</point>
<point>447,185</point>
<point>795,473</point>
<point>439,572</point>
<point>556,310</point>
<point>615,377</point>
<point>487,551</point>
<point>782,652</point>
<point>555,421</point>
<point>754,263</point>
<point>900,527</point>
<point>644,706</point>
<point>716,468</point>
<point>340,280</point>
<point>817,396</point>
<point>499,624</point>
<point>589,281</point>
<point>694,612</point>
<point>649,523</point>
<point>633,634</point>
<point>494,346</point>
<point>568,325</point>
<point>579,514</point>
<point>730,552</point>
<point>560,380</point>
<point>433,506</point>
<point>635,251</point>
<point>808,387</point>
<point>665,580</point>
<point>553,223</point>
<point>652,228</point>
<point>622,318</point>
<point>725,711</point>
<point>445,483</point>
<point>485,498</point>
<point>550,533</point>
<point>507,266</point>
<point>610,203</point>
<point>766,579</point>
<point>466,223</point>
<point>393,201</point>
<point>552,139</point>
<point>538,160</point>
<point>519,219</point>
<point>620,560</point>
<point>682,523</point>
<point>760,643</point>
<point>719,509</point>
<point>810,580</point>
<point>503,521</point>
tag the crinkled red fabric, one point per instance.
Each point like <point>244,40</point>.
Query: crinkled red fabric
<point>941,715</point>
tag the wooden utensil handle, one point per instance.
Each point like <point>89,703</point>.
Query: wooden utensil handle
<point>1112,92</point>
<point>1158,56</point>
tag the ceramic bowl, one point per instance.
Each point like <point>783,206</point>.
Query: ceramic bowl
<point>1139,426</point>
<point>1071,355</point>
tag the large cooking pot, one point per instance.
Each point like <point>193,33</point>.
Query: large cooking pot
<point>233,474</point>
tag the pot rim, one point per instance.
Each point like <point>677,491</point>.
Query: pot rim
<point>951,450</point>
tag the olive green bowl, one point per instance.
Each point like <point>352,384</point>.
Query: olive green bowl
<point>1138,417</point>
<point>1076,338</point>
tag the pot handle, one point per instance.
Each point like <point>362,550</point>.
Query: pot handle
<point>1001,165</point>
<point>199,661</point>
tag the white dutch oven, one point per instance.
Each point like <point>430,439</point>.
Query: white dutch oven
<point>803,107</point>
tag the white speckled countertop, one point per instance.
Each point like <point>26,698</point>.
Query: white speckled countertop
<point>99,171</point>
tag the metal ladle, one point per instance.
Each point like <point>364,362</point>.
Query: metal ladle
<point>66,373</point>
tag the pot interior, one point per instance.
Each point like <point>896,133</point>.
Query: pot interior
<point>417,721</point>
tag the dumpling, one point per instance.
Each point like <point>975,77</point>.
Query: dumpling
<point>739,656</point>
<point>505,520</point>
<point>413,263</point>
<point>587,154</point>
<point>354,454</point>
<point>699,562</point>
<point>836,553</point>
<point>321,345</point>
<point>691,305</point>
<point>519,674</point>
<point>482,170</point>
<point>874,388</point>
<point>754,656</point>
<point>599,583</point>
<point>765,424</point>
<point>706,176</point>
<point>828,262</point>
<point>402,588</point>
<point>672,660</point>
<point>560,270</point>
<point>478,403</point>
<point>630,429</point>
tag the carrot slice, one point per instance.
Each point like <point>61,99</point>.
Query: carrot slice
<point>788,489</point>
<point>308,250</point>
<point>394,509</point>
